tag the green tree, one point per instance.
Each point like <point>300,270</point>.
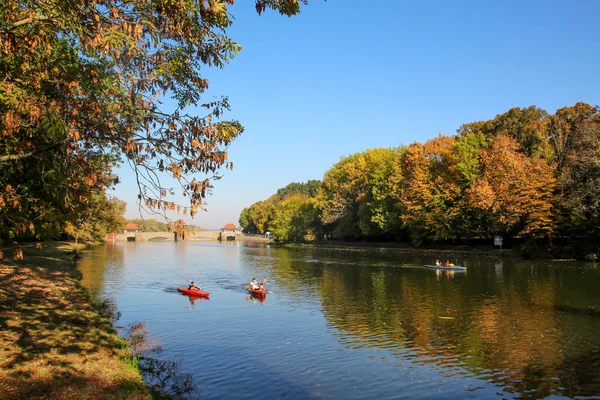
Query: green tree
<point>275,213</point>
<point>465,162</point>
<point>114,215</point>
<point>528,126</point>
<point>150,225</point>
<point>245,221</point>
<point>260,215</point>
<point>337,200</point>
<point>356,198</point>
<point>292,219</point>
<point>310,189</point>
<point>105,216</point>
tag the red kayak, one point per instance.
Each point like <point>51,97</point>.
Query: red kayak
<point>193,292</point>
<point>258,292</point>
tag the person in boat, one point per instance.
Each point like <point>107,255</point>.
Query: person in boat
<point>254,284</point>
<point>193,286</point>
<point>438,263</point>
<point>447,263</point>
<point>261,286</point>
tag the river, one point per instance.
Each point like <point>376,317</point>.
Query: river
<point>364,324</point>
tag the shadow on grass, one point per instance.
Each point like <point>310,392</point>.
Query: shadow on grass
<point>54,342</point>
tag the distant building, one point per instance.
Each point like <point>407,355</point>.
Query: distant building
<point>228,232</point>
<point>130,230</point>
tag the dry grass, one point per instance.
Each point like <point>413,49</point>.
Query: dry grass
<point>54,344</point>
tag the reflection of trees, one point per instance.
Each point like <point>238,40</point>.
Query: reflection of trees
<point>94,265</point>
<point>164,377</point>
<point>501,322</point>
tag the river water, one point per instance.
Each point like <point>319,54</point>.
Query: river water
<point>362,324</point>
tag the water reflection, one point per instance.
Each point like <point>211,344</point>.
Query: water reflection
<point>363,324</point>
<point>111,258</point>
<point>194,299</point>
<point>256,300</point>
<point>501,324</point>
<point>448,273</point>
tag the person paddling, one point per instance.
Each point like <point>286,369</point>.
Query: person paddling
<point>447,263</point>
<point>254,284</point>
<point>193,286</point>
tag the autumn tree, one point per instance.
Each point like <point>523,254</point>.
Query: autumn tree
<point>517,190</point>
<point>430,200</point>
<point>563,125</point>
<point>87,83</point>
<point>579,182</point>
<point>523,173</point>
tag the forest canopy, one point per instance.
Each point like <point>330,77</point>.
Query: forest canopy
<point>524,174</point>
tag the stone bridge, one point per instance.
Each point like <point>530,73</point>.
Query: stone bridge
<point>167,236</point>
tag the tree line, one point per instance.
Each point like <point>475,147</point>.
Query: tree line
<point>524,174</point>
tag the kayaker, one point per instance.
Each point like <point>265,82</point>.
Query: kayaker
<point>254,284</point>
<point>261,286</point>
<point>447,263</point>
<point>193,286</point>
<point>438,263</point>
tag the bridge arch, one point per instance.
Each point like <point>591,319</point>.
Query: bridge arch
<point>169,236</point>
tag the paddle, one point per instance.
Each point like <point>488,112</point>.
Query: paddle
<point>191,280</point>
<point>265,280</point>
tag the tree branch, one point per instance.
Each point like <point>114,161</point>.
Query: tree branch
<point>40,149</point>
<point>28,20</point>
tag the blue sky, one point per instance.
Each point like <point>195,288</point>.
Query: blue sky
<point>346,75</point>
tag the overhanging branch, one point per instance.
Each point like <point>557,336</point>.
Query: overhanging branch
<point>40,149</point>
<point>26,21</point>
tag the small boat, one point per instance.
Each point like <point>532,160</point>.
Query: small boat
<point>258,292</point>
<point>451,267</point>
<point>193,292</point>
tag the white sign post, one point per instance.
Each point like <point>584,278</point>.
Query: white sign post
<point>498,241</point>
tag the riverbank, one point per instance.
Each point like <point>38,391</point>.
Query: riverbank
<point>402,248</point>
<point>55,343</point>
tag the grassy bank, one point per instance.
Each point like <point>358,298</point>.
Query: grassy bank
<point>54,342</point>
